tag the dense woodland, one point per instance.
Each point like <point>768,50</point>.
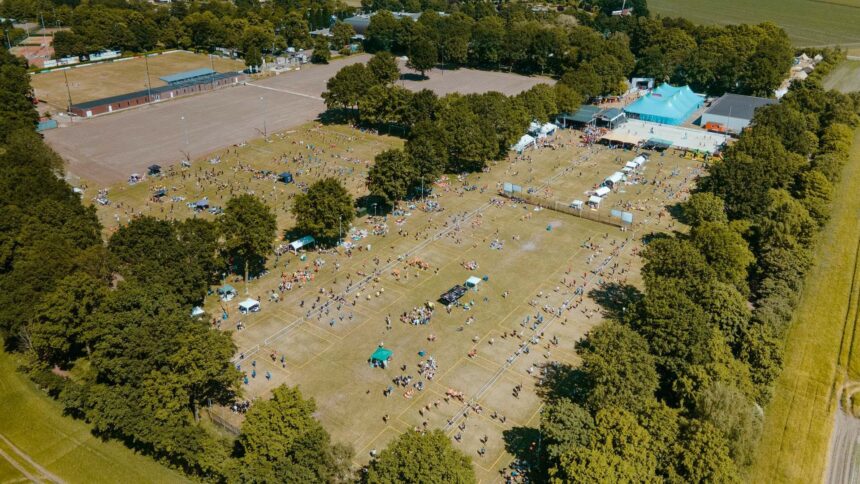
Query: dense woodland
<point>672,384</point>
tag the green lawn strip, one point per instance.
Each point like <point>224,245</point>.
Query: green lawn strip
<point>845,77</point>
<point>799,418</point>
<point>8,473</point>
<point>34,423</point>
<point>806,22</point>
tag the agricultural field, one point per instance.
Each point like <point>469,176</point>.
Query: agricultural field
<point>807,22</point>
<point>38,443</point>
<point>530,261</point>
<point>97,81</point>
<point>818,352</point>
<point>845,77</point>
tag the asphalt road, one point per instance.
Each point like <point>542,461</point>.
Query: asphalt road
<point>842,467</point>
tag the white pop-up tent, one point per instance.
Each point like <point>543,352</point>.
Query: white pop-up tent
<point>594,201</point>
<point>524,142</point>
<point>473,281</point>
<point>249,306</point>
<point>613,179</point>
<point>577,204</point>
<point>602,191</point>
<point>548,129</point>
<point>197,312</point>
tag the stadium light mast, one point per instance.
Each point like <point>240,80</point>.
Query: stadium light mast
<point>68,90</point>
<point>263,116</point>
<point>148,81</point>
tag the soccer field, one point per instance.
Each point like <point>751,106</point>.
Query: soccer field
<point>97,81</point>
<point>539,257</point>
<point>807,22</point>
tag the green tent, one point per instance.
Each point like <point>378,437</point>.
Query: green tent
<point>380,357</point>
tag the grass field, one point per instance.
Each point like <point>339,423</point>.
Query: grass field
<point>32,423</point>
<point>845,77</point>
<point>807,22</point>
<point>97,81</point>
<point>545,256</point>
<point>799,420</point>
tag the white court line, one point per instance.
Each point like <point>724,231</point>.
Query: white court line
<point>294,93</point>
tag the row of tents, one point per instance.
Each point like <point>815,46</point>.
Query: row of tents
<point>610,182</point>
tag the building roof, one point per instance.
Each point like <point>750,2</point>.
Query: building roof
<point>155,90</point>
<point>738,106</point>
<point>585,114</point>
<point>666,105</point>
<point>184,76</point>
<point>610,114</point>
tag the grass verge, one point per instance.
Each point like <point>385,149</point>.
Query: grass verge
<point>34,424</point>
<point>799,419</point>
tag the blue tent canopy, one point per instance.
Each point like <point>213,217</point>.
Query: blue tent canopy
<point>666,105</point>
<point>286,177</point>
<point>202,203</point>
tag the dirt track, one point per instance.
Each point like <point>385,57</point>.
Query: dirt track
<point>108,148</point>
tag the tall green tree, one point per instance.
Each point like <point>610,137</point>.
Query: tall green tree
<point>421,457</point>
<point>423,56</point>
<point>249,227</point>
<point>321,53</point>
<point>384,68</point>
<point>281,441</point>
<point>325,211</point>
<point>391,176</point>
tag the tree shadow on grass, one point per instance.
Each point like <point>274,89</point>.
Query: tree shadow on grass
<point>563,381</point>
<point>524,444</point>
<point>617,300</point>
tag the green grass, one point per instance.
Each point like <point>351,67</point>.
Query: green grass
<point>807,22</point>
<point>64,446</point>
<point>799,419</point>
<point>845,77</point>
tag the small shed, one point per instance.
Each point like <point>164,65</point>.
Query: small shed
<point>286,177</point>
<point>227,292</point>
<point>249,306</point>
<point>602,191</point>
<point>380,357</point>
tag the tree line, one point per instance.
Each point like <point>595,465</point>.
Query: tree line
<point>595,56</point>
<point>589,50</point>
<point>448,134</point>
<point>672,385</point>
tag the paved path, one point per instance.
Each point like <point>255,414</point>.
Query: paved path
<point>842,467</point>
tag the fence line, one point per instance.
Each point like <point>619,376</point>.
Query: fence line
<point>564,208</point>
<point>223,423</point>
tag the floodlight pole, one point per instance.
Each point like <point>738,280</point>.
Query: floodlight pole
<point>68,89</point>
<point>185,130</point>
<point>148,81</point>
<point>263,116</point>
